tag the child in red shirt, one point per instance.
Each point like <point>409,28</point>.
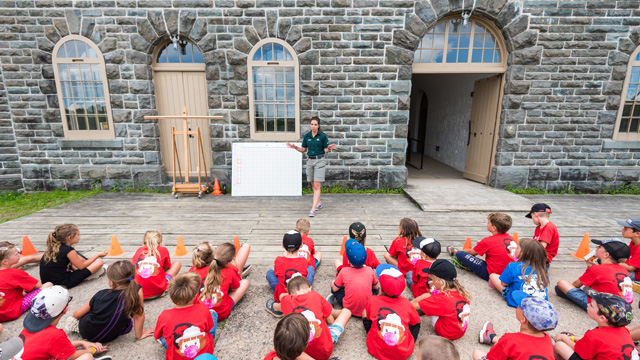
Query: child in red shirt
<point>536,316</point>
<point>609,277</point>
<point>447,305</point>
<point>285,267</point>
<point>358,232</point>
<point>290,339</point>
<point>631,230</point>
<point>201,258</point>
<point>307,249</point>
<point>391,322</point>
<point>153,264</point>
<point>224,286</point>
<point>187,330</point>
<point>546,232</point>
<point>610,340</point>
<point>429,251</point>
<point>401,253</point>
<point>17,288</point>
<point>499,249</point>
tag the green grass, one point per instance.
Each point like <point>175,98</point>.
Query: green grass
<point>569,189</point>
<point>14,204</point>
<point>623,190</point>
<point>339,189</point>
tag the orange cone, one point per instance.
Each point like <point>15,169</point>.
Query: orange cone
<point>236,244</point>
<point>467,244</point>
<point>515,237</point>
<point>216,188</point>
<point>115,250</point>
<point>344,240</point>
<point>583,249</point>
<point>180,248</point>
<point>27,247</point>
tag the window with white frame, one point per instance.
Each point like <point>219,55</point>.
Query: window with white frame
<point>628,122</point>
<point>273,91</point>
<point>83,91</point>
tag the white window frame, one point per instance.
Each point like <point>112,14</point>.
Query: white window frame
<point>82,134</point>
<point>176,66</point>
<point>274,136</point>
<point>634,61</point>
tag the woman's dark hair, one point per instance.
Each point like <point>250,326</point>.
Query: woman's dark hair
<point>318,120</point>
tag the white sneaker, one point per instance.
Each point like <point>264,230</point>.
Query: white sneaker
<point>312,213</point>
<point>71,325</point>
<point>98,274</point>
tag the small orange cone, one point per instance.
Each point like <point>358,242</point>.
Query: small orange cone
<point>180,248</point>
<point>115,250</point>
<point>216,188</point>
<point>515,237</point>
<point>467,244</point>
<point>27,247</point>
<point>583,249</point>
<point>344,240</point>
<point>236,244</point>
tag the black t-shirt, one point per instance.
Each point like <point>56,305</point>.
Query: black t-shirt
<point>57,271</point>
<point>106,319</point>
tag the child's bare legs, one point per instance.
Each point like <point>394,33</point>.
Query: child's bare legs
<point>494,279</point>
<point>563,350</point>
<point>565,286</point>
<point>477,354</point>
<point>337,263</point>
<point>318,256</point>
<point>95,266</point>
<point>241,257</point>
<point>1,329</point>
<point>390,259</point>
<point>174,269</point>
<point>238,293</point>
<point>35,258</point>
<point>635,332</point>
<point>85,357</point>
<point>341,316</point>
<point>46,285</point>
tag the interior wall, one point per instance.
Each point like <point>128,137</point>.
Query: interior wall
<point>448,114</point>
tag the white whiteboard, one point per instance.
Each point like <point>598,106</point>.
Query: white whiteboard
<point>266,169</point>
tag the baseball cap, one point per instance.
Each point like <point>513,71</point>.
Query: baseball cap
<point>356,253</point>
<point>630,223</point>
<point>206,357</point>
<point>11,348</point>
<point>616,309</point>
<point>357,231</point>
<point>540,313</point>
<point>45,307</point>
<point>539,208</point>
<point>429,246</point>
<point>391,279</point>
<point>615,247</point>
<point>291,240</point>
<point>442,269</point>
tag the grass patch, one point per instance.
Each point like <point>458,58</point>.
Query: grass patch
<point>627,189</point>
<point>15,204</point>
<point>339,189</point>
<point>569,189</point>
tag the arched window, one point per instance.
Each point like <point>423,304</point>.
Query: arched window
<point>450,46</point>
<point>181,52</point>
<point>627,125</point>
<point>273,91</point>
<point>83,92</point>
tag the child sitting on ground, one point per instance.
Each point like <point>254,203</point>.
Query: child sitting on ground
<point>390,321</point>
<point>498,249</point>
<point>290,339</point>
<point>17,288</point>
<point>527,277</point>
<point>609,340</point>
<point>429,251</point>
<point>307,249</point>
<point>201,258</point>
<point>546,232</point>
<point>532,342</point>
<point>432,347</point>
<point>402,253</point>
<point>447,305</point>
<point>286,266</point>
<point>187,330</point>
<point>631,230</point>
<point>154,269</point>
<point>43,340</point>
<point>358,232</point>
<point>354,285</point>
<point>609,277</point>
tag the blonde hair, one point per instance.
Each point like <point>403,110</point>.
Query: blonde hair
<point>501,221</point>
<point>303,226</point>
<point>184,288</point>
<point>409,229</point>
<point>446,349</point>
<point>202,255</point>
<point>152,239</point>
<point>223,255</point>
<point>533,254</point>
<point>453,285</point>
<point>57,238</point>
<point>122,274</point>
<point>6,254</point>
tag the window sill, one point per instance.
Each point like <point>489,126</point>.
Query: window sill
<point>612,144</point>
<point>101,144</point>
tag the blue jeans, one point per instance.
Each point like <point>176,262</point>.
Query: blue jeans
<point>214,316</point>
<point>273,281</point>
<point>576,295</point>
<point>409,278</point>
<point>477,265</point>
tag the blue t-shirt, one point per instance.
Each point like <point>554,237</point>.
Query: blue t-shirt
<point>518,287</point>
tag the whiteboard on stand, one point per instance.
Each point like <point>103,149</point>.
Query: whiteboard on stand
<point>266,169</point>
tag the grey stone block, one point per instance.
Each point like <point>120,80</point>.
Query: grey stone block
<point>392,177</point>
<point>65,172</point>
<point>118,172</point>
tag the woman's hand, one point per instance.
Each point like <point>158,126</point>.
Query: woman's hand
<point>332,146</point>
<point>292,146</point>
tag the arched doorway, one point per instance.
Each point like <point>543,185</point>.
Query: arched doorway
<point>180,80</point>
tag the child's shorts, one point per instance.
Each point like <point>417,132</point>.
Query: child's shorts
<point>335,330</point>
<point>26,301</point>
<point>505,292</point>
<point>169,278</point>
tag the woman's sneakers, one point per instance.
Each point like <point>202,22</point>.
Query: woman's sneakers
<point>71,325</point>
<point>318,207</point>
<point>312,213</point>
<point>487,334</point>
<point>271,310</point>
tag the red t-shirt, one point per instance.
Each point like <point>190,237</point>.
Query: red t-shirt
<point>186,331</point>
<point>316,309</point>
<point>400,248</point>
<point>285,267</point>
<point>548,234</point>
<point>308,250</point>
<point>12,283</point>
<point>357,284</point>
<point>634,258</point>
<point>371,261</point>
<point>222,303</point>
<point>519,346</point>
<point>606,343</point>
<point>609,278</point>
<point>420,278</point>
<point>270,356</point>
<point>453,313</point>
<point>203,272</point>
<point>389,337</point>
<point>497,250</point>
<point>50,343</point>
<point>150,271</point>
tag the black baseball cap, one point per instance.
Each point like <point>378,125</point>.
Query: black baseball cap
<point>539,208</point>
<point>429,246</point>
<point>615,247</point>
<point>291,240</point>
<point>357,231</point>
<point>442,269</point>
<point>616,309</point>
<point>630,223</point>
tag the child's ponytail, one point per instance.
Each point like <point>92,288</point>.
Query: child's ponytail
<point>409,229</point>
<point>122,274</point>
<point>153,239</point>
<point>533,254</point>
<point>202,255</point>
<point>57,238</point>
<point>223,255</point>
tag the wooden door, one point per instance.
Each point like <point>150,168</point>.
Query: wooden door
<point>175,89</point>
<point>484,111</point>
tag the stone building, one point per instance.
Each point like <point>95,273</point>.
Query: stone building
<point>535,93</point>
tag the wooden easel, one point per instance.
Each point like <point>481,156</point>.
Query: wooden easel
<point>185,186</point>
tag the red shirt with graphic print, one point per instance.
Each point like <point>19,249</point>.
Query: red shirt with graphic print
<point>150,271</point>
<point>608,278</point>
<point>389,337</point>
<point>186,331</point>
<point>496,251</point>
<point>12,283</point>
<point>634,258</point>
<point>519,346</point>
<point>47,344</point>
<point>283,268</point>
<point>400,248</point>
<point>308,250</point>
<point>420,278</point>
<point>222,302</point>
<point>203,272</point>
<point>548,234</point>
<point>316,309</point>
<point>606,343</point>
<point>453,313</point>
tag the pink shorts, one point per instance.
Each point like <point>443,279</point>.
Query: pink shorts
<point>26,301</point>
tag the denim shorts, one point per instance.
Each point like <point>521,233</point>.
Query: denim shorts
<point>335,330</point>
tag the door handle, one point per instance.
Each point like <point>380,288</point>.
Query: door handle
<point>469,137</point>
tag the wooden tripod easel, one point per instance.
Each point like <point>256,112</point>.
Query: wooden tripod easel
<point>185,186</point>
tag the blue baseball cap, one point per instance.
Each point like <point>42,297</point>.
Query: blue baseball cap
<point>356,253</point>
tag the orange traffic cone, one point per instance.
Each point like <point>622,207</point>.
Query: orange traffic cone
<point>344,240</point>
<point>515,237</point>
<point>115,250</point>
<point>27,247</point>
<point>236,244</point>
<point>180,248</point>
<point>216,188</point>
<point>583,249</point>
<point>467,244</point>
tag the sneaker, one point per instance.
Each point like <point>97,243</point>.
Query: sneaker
<point>104,358</point>
<point>246,271</point>
<point>318,262</point>
<point>318,207</point>
<point>458,264</point>
<point>312,213</point>
<point>98,274</point>
<point>271,310</point>
<point>71,325</point>
<point>330,298</point>
<point>486,333</point>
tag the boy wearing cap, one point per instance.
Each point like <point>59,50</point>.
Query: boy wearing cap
<point>358,232</point>
<point>430,250</point>
<point>546,232</point>
<point>609,277</point>
<point>391,322</point>
<point>609,340</point>
<point>536,316</point>
<point>631,230</point>
<point>43,340</point>
<point>354,285</point>
<point>287,265</point>
<point>308,249</point>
